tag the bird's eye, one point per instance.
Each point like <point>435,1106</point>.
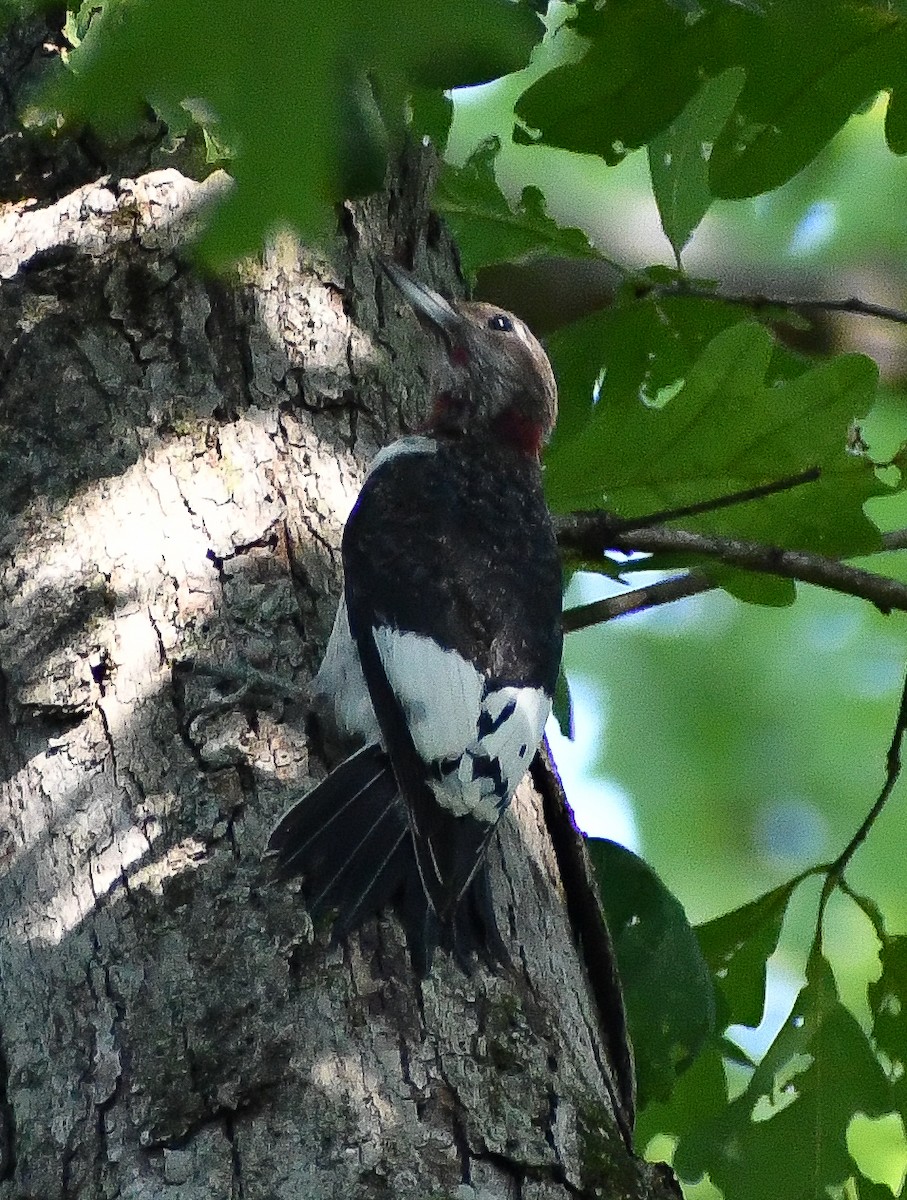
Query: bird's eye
<point>500,322</point>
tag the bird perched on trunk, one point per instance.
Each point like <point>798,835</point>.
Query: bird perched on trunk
<point>446,646</point>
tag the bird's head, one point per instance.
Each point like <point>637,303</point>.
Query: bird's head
<point>494,378</point>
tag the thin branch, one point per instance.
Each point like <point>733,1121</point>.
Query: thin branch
<point>681,586</point>
<point>623,603</point>
<point>836,869</point>
<point>587,534</point>
<point>892,771</point>
<point>852,305</point>
<point>694,583</point>
<point>730,499</point>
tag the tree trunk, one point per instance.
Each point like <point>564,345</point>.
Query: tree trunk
<point>178,456</point>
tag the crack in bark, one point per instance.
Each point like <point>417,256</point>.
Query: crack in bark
<point>461,1140</point>
<point>118,1013</point>
<point>230,1131</point>
<point>7,1120</point>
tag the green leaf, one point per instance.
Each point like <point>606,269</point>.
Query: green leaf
<point>667,987</point>
<point>562,707</point>
<point>310,96</point>
<point>622,350</point>
<point>896,119</point>
<point>738,415</point>
<point>699,1095</point>
<point>644,63</point>
<point>432,114</point>
<point>888,1003</point>
<point>752,587</point>
<point>679,157</point>
<point>488,228</point>
<point>78,20</point>
<point>866,1189</point>
<point>809,65</point>
<point>639,348</point>
<point>785,1137</point>
<point>19,10</point>
<point>737,947</point>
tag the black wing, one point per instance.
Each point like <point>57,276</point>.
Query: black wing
<point>456,548</point>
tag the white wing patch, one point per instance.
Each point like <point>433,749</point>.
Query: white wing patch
<point>340,681</point>
<point>440,692</point>
<point>477,743</point>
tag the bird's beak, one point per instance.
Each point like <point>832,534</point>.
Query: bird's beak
<point>425,302</point>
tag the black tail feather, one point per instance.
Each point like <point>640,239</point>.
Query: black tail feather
<point>318,827</point>
<point>350,840</point>
<point>377,885</point>
<point>449,851</point>
<point>366,858</point>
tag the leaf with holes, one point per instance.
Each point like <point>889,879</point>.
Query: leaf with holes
<point>488,228</point>
<point>785,1137</point>
<point>808,64</point>
<point>667,987</point>
<point>700,1095</point>
<point>644,62</point>
<point>679,157</point>
<point>737,947</point>
<point>888,1003</point>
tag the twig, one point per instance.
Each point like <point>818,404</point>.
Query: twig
<point>587,534</point>
<point>245,680</point>
<point>729,500</point>
<point>623,603</point>
<point>892,771</point>
<point>852,305</point>
<point>836,870</point>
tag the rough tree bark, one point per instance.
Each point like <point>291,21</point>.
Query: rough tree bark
<point>177,457</point>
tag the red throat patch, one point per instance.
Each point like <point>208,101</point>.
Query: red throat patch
<point>448,412</point>
<point>517,430</point>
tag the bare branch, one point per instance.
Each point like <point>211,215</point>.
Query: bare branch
<point>835,876</point>
<point>787,484</point>
<point>588,534</point>
<point>852,305</point>
<point>892,771</point>
<point>623,603</point>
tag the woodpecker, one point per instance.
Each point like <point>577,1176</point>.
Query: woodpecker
<point>445,649</point>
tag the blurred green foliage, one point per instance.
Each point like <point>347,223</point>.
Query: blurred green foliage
<point>305,99</point>
<point>750,739</point>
